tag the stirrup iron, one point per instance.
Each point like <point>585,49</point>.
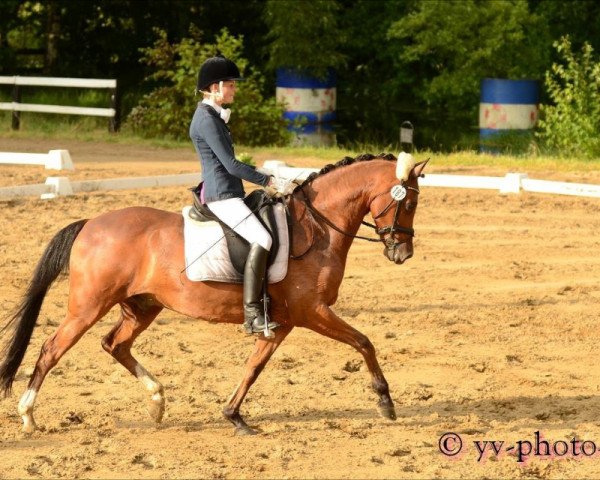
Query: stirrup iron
<point>256,299</point>
<point>268,333</point>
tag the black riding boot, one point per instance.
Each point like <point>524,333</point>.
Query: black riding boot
<point>254,279</point>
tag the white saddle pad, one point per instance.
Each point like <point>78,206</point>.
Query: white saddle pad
<point>207,256</point>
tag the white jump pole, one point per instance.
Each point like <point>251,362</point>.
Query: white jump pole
<point>53,160</point>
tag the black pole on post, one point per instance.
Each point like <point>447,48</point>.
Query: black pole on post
<point>16,115</point>
<point>115,103</point>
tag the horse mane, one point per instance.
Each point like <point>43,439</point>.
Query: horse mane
<point>365,157</point>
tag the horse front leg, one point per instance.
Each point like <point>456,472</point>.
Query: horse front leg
<point>324,321</point>
<point>264,348</point>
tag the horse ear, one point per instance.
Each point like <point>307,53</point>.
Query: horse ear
<point>418,169</point>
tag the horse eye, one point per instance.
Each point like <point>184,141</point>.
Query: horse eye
<point>411,206</point>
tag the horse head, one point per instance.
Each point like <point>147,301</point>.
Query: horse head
<point>394,207</point>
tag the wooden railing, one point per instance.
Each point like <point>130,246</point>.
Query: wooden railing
<point>16,106</point>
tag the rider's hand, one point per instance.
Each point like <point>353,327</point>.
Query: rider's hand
<point>271,190</point>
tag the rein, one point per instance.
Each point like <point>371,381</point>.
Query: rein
<point>316,213</point>
<point>391,229</point>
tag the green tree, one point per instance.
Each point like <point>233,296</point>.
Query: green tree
<point>8,17</point>
<point>456,44</point>
<point>580,20</point>
<point>25,36</point>
<point>571,126</point>
<point>373,91</point>
<point>168,109</point>
<point>304,35</point>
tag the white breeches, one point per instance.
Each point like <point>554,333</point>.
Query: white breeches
<point>234,213</point>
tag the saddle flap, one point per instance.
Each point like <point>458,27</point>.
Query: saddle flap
<point>259,203</point>
<point>207,255</point>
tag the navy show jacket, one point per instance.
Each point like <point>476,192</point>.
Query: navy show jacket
<point>221,172</point>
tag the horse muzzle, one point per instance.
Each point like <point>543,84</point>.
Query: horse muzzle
<point>398,252</point>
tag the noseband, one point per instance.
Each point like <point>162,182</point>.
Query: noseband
<point>394,227</point>
<point>389,241</point>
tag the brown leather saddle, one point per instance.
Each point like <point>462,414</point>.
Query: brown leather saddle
<point>261,205</point>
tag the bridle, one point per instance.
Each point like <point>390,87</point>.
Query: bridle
<point>394,227</point>
<point>390,242</point>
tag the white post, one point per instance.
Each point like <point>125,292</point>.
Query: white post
<point>512,183</point>
<point>59,185</point>
<point>59,160</point>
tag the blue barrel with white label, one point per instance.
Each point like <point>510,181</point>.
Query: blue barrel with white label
<point>507,105</point>
<point>306,96</point>
<point>315,135</point>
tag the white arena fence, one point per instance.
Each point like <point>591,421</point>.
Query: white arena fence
<point>56,186</point>
<point>16,106</point>
<point>53,160</point>
<point>510,183</point>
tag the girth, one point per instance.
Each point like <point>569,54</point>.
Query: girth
<point>261,205</point>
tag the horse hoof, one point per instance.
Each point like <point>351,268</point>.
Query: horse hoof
<point>387,411</point>
<point>245,430</point>
<point>156,408</point>
<point>29,425</point>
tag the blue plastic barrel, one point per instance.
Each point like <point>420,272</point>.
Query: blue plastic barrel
<point>507,105</point>
<point>315,134</point>
<point>306,96</point>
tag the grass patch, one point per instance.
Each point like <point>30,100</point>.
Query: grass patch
<point>522,163</point>
<point>508,163</point>
<point>49,125</point>
<point>89,129</point>
<point>71,127</point>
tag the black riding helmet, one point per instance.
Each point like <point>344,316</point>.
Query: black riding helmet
<point>217,69</point>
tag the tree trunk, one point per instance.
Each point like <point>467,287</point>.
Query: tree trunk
<point>52,36</point>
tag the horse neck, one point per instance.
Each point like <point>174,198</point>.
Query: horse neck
<point>344,195</point>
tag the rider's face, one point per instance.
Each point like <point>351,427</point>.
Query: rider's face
<point>228,91</point>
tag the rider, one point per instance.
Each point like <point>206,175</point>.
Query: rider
<point>222,189</point>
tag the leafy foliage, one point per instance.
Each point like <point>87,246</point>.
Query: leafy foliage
<point>371,89</point>
<point>456,44</point>
<point>580,20</point>
<point>420,60</point>
<point>19,28</point>
<point>304,35</point>
<point>168,109</point>
<point>572,125</point>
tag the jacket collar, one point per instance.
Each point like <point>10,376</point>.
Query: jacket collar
<point>210,102</point>
<point>223,113</point>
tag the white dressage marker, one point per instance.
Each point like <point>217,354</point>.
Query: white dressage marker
<point>53,160</point>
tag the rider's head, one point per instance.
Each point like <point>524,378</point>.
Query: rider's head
<point>217,77</point>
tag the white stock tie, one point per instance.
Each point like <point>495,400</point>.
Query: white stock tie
<point>225,114</point>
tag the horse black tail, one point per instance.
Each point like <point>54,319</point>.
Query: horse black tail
<point>55,260</point>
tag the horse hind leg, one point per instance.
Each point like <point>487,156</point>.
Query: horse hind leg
<point>136,316</point>
<point>68,333</point>
<point>264,348</point>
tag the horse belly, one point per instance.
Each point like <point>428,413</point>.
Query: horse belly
<point>210,301</point>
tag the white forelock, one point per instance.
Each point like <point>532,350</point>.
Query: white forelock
<point>405,164</point>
